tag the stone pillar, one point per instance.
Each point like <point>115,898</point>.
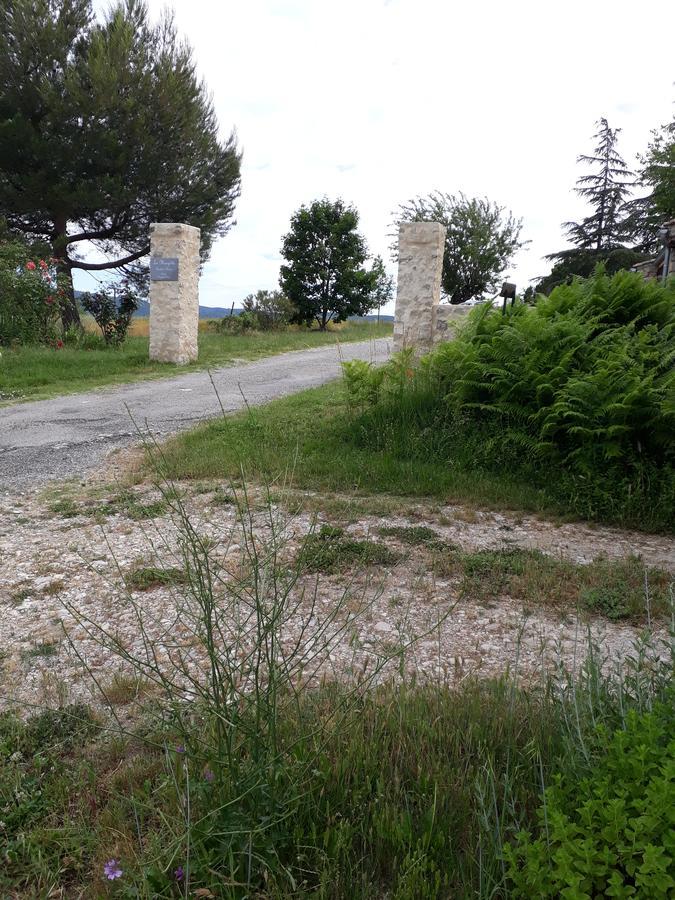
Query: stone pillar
<point>420,265</point>
<point>174,292</point>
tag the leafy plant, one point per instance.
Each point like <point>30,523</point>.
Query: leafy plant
<point>580,385</point>
<point>30,297</point>
<point>111,313</point>
<point>611,834</point>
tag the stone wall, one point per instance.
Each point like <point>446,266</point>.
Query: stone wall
<point>420,265</point>
<point>174,303</point>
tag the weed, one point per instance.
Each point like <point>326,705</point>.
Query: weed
<point>330,550</point>
<point>146,578</point>
<point>23,593</point>
<point>125,688</point>
<point>66,507</point>
<point>37,651</point>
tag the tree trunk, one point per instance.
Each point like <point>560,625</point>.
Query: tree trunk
<point>70,314</point>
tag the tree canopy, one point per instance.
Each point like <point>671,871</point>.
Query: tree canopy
<point>657,175</point>
<point>325,276</point>
<point>481,239</point>
<point>105,128</point>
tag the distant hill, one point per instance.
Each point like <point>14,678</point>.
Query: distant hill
<point>220,312</point>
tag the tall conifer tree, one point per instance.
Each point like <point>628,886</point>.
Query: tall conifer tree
<point>606,188</point>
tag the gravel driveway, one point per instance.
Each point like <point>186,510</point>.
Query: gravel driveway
<point>68,436</point>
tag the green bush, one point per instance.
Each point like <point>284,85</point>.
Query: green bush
<point>112,314</point>
<point>576,394</point>
<point>29,297</point>
<point>612,834</point>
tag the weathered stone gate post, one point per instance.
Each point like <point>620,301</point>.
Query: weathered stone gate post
<point>174,292</point>
<point>420,265</point>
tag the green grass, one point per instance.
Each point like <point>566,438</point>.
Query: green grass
<point>309,436</point>
<point>615,588</point>
<point>146,578</point>
<point>331,550</point>
<point>412,797</point>
<point>33,373</point>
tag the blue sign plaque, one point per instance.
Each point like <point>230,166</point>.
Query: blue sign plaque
<point>163,268</point>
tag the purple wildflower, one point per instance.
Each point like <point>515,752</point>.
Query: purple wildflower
<point>179,873</point>
<point>111,870</point>
<point>180,748</point>
<point>208,775</point>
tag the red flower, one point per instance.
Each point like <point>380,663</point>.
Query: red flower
<point>42,264</point>
<point>59,345</point>
<point>49,300</point>
<point>30,265</point>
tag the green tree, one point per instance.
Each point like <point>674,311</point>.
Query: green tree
<point>481,239</point>
<point>105,128</point>
<point>325,276</point>
<point>606,189</point>
<point>657,174</point>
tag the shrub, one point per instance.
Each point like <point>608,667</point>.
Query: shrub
<point>272,309</point>
<point>112,314</point>
<point>29,297</point>
<point>580,385</point>
<point>610,835</point>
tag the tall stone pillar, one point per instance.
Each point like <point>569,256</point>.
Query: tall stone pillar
<point>420,265</point>
<point>174,292</point>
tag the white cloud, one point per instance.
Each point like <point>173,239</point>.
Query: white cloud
<point>378,101</point>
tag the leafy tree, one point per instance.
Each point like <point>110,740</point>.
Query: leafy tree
<point>606,189</point>
<point>325,276</point>
<point>481,239</point>
<point>647,214</point>
<point>105,128</point>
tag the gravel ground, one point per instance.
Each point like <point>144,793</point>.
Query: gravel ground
<point>68,436</point>
<point>61,573</point>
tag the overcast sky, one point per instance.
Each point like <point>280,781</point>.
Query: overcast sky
<point>376,101</point>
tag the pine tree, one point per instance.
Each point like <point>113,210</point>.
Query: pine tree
<point>606,189</point>
<point>105,127</point>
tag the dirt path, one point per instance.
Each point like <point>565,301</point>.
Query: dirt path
<point>61,562</point>
<point>69,436</point>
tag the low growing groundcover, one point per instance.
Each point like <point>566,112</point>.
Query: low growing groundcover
<point>408,791</point>
<point>36,372</point>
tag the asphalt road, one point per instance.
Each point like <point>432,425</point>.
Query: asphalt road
<point>69,436</point>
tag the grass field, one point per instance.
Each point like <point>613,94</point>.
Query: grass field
<point>34,373</point>
<point>309,436</point>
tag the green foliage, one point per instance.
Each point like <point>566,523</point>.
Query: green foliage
<point>610,834</point>
<point>106,127</point>
<point>325,276</point>
<point>112,314</point>
<point>330,550</point>
<point>146,578</point>
<point>481,238</point>
<point>583,263</point>
<point>272,310</point>
<point>582,385</point>
<point>657,175</point>
<point>29,296</point>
